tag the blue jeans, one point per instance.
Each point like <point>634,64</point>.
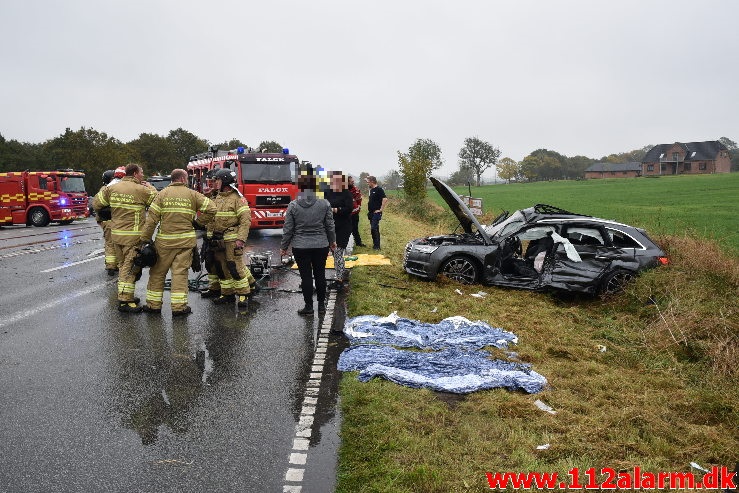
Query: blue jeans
<point>374,218</point>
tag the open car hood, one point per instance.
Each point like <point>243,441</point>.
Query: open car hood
<point>463,213</point>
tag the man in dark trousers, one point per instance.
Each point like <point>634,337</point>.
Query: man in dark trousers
<point>375,206</point>
<point>357,206</point>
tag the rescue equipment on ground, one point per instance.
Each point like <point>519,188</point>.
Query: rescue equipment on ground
<point>259,264</point>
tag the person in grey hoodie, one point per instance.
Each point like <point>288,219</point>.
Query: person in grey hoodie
<point>309,227</point>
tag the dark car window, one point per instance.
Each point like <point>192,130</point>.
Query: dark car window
<point>622,240</point>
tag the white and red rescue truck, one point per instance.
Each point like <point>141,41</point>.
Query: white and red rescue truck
<point>40,197</point>
<point>266,180</point>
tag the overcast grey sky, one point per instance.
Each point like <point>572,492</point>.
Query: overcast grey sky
<point>347,84</point>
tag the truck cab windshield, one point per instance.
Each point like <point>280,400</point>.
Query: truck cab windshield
<point>267,172</point>
<point>74,184</point>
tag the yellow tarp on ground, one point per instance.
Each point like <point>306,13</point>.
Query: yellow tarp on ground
<point>362,259</point>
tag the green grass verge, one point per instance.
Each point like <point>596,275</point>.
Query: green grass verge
<point>663,393</point>
<point>701,205</point>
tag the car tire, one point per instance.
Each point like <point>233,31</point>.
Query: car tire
<point>461,269</point>
<point>614,282</point>
<point>39,217</point>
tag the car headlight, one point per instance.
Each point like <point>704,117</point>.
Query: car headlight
<point>426,248</point>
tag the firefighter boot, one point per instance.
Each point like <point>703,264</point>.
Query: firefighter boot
<point>224,299</point>
<point>211,293</point>
<point>148,309</point>
<point>185,311</point>
<point>129,307</point>
<point>242,301</point>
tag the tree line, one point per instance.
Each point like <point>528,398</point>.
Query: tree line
<point>94,152</point>
<point>477,156</point>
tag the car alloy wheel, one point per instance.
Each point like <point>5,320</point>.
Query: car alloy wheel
<point>461,269</point>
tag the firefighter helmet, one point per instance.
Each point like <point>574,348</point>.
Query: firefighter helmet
<point>226,176</point>
<point>210,175</point>
<point>107,176</point>
<point>146,256</point>
<point>120,172</point>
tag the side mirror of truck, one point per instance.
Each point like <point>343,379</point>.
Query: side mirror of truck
<point>50,183</point>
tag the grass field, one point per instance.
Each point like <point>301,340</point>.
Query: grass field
<point>701,205</point>
<point>662,395</point>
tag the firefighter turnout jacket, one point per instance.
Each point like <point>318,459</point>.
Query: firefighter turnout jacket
<point>174,209</point>
<point>128,200</point>
<point>111,261</point>
<point>233,217</point>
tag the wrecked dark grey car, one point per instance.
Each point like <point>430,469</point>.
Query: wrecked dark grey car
<point>539,248</point>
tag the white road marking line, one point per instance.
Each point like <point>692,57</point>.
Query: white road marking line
<point>70,265</point>
<point>66,299</point>
<point>304,427</point>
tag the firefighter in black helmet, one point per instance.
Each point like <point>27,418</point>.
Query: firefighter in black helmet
<point>228,233</point>
<point>206,255</point>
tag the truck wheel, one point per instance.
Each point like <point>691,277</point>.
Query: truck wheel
<point>39,217</point>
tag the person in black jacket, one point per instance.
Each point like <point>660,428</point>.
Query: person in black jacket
<point>375,205</point>
<point>342,204</point>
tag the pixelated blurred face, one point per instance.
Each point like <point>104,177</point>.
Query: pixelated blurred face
<point>307,182</point>
<point>338,182</point>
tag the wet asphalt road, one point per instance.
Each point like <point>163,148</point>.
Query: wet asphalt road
<point>96,400</point>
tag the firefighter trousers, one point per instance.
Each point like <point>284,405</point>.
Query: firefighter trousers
<point>111,261</point>
<point>233,275</point>
<point>178,260</point>
<point>128,273</point>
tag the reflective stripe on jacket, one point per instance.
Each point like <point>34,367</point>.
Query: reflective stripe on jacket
<point>128,200</point>
<point>233,217</point>
<point>174,209</point>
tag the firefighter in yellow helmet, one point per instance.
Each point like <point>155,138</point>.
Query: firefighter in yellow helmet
<point>128,200</point>
<point>174,209</point>
<point>228,233</point>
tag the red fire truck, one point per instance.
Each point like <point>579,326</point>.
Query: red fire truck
<point>266,180</point>
<point>40,197</point>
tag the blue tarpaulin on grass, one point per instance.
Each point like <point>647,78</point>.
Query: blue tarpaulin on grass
<point>451,332</point>
<point>457,364</point>
<point>448,370</point>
